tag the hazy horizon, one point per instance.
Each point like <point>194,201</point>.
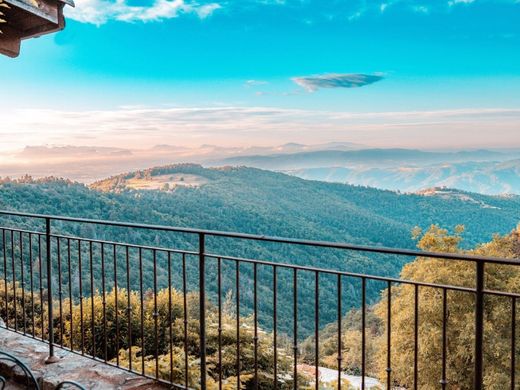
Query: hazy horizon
<point>88,164</point>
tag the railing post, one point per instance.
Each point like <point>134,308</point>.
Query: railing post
<point>202,310</point>
<point>52,358</point>
<point>479,325</point>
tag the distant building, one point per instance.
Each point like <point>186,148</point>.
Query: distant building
<point>30,19</point>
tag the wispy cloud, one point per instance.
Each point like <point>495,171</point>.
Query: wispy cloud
<point>255,83</point>
<point>451,3</point>
<point>99,12</point>
<point>336,80</point>
<point>422,9</point>
<point>354,10</point>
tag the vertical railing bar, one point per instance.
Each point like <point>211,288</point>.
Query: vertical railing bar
<point>51,358</point>
<point>444,381</point>
<point>40,269</point>
<point>255,319</point>
<point>275,325</point>
<point>202,309</point>
<point>363,332</point>
<point>479,326</point>
<point>170,317</point>
<point>513,343</point>
<point>416,338</point>
<point>92,294</point>
<point>80,282</point>
<point>31,270</point>
<point>141,292</point>
<point>219,303</point>
<point>155,314</point>
<point>22,283</point>
<point>317,330</point>
<point>60,291</point>
<point>70,295</point>
<point>104,302</point>
<point>340,344</point>
<point>389,338</point>
<point>14,282</point>
<point>4,250</point>
<point>295,328</point>
<point>237,287</point>
<point>116,298</point>
<point>129,312</point>
<point>185,320</point>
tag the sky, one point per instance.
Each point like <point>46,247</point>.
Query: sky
<point>429,74</point>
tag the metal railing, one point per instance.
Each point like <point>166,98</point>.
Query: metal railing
<point>53,277</point>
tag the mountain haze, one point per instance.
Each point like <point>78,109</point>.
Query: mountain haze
<point>492,178</point>
<point>365,157</point>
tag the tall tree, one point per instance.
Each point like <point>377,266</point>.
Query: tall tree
<point>460,315</point>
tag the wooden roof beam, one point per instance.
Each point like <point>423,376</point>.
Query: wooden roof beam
<point>29,19</point>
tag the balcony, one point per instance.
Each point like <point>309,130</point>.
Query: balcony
<point>194,319</point>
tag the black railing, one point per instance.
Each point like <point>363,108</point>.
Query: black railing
<point>102,298</point>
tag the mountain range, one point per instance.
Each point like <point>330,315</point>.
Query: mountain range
<point>364,157</point>
<point>482,171</point>
<point>406,170</point>
<point>483,177</point>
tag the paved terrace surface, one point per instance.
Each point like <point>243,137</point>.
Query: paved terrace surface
<point>91,374</point>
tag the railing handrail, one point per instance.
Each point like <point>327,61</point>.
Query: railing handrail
<point>275,239</point>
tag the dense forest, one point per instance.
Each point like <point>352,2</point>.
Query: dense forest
<point>501,333</point>
<point>158,334</point>
<point>255,201</point>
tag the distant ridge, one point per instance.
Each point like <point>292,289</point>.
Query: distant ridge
<point>366,157</point>
<point>486,177</point>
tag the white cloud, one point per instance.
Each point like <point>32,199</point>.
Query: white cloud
<point>99,12</point>
<point>206,10</point>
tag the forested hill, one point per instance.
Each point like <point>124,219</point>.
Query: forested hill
<point>256,201</point>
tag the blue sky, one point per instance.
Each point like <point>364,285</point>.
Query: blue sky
<point>436,60</point>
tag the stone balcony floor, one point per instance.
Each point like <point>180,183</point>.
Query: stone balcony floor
<point>90,374</point>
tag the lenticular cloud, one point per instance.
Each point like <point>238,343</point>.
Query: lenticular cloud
<point>336,80</point>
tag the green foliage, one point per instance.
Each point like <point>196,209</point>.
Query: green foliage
<point>20,307</point>
<point>97,322</point>
<point>255,201</point>
<point>460,329</point>
<point>461,312</point>
<point>351,343</point>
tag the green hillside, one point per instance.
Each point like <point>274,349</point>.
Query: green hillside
<point>255,201</point>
